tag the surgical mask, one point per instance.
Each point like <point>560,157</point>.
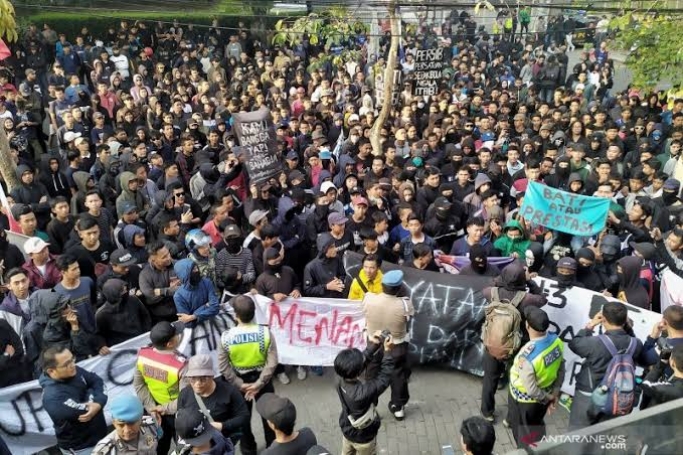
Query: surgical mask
<point>354,139</point>
<point>195,278</point>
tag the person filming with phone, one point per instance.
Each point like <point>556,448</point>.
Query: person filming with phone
<point>359,420</point>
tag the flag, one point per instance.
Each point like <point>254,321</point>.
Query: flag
<point>13,225</point>
<point>4,50</point>
<point>338,146</point>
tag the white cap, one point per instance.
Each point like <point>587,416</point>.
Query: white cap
<point>354,118</point>
<point>35,245</point>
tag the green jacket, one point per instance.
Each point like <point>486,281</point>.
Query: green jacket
<point>507,246</point>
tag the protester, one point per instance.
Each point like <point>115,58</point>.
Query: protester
<point>280,414</point>
<point>74,399</point>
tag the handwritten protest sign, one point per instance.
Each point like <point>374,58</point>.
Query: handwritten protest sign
<point>395,92</point>
<point>565,212</point>
<point>256,135</point>
<point>428,71</point>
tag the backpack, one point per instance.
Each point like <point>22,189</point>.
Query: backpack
<point>501,331</point>
<point>616,395</point>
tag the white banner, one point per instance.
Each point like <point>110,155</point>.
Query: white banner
<point>307,331</point>
<point>671,290</point>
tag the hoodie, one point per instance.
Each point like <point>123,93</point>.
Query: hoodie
<point>123,316</point>
<point>631,289</point>
<point>139,252</point>
<point>130,196</point>
<point>508,246</point>
<point>200,300</point>
<point>31,195</point>
<point>65,401</point>
<point>322,270</point>
<point>78,201</point>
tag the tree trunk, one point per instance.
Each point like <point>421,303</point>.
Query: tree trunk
<point>7,167</point>
<point>388,81</point>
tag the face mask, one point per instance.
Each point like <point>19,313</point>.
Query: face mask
<point>584,269</point>
<point>441,215</point>
<point>195,278</point>
<point>354,139</point>
<point>479,266</point>
<point>608,257</point>
<point>563,171</point>
<point>565,281</point>
<point>669,198</point>
<point>234,246</point>
<point>322,209</point>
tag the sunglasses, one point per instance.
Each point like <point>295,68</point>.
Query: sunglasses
<point>179,194</point>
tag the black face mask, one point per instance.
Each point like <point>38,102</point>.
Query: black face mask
<point>563,171</point>
<point>233,246</point>
<point>3,242</point>
<point>584,269</point>
<point>669,198</point>
<point>479,266</point>
<point>195,278</point>
<point>441,215</point>
<point>565,281</point>
<point>322,209</point>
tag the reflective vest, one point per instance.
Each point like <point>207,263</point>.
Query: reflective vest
<point>161,373</point>
<point>545,355</point>
<point>247,347</point>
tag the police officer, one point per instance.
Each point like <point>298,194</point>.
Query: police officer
<point>133,433</point>
<point>536,376</point>
<point>158,377</point>
<point>247,361</point>
<point>388,311</point>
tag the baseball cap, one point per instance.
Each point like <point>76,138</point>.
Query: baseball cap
<point>129,207</point>
<point>567,263</point>
<point>200,365</point>
<point>280,411</point>
<point>232,231</point>
<point>296,175</point>
<point>35,245</point>
<point>354,118</point>
<point>672,184</point>
<point>122,257</point>
<point>292,155</point>
<point>360,200</point>
<point>537,318</point>
<point>336,218</point>
<point>256,216</point>
<point>164,331</point>
<point>646,250</point>
<point>193,427</point>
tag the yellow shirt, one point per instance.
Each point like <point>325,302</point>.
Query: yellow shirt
<point>356,293</point>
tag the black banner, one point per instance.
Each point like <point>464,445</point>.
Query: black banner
<point>449,313</point>
<point>428,71</point>
<point>256,135</point>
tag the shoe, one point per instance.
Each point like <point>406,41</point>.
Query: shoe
<point>502,384</point>
<point>318,371</point>
<point>506,424</point>
<point>489,418</point>
<point>566,402</point>
<point>283,378</point>
<point>400,414</point>
<point>301,373</point>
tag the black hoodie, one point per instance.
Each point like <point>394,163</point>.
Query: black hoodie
<point>123,316</point>
<point>631,289</point>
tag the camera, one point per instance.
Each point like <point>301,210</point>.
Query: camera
<point>664,348</point>
<point>386,333</point>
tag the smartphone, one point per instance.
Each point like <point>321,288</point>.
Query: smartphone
<point>447,450</point>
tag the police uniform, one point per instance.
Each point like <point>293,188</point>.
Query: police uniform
<point>535,377</point>
<point>146,443</point>
<point>158,378</point>
<point>128,408</point>
<point>388,312</point>
<point>249,355</point>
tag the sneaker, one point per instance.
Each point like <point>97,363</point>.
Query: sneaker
<point>506,424</point>
<point>318,371</point>
<point>283,378</point>
<point>400,414</point>
<point>489,418</point>
<point>301,373</point>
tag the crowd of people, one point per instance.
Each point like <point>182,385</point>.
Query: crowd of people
<point>135,198</point>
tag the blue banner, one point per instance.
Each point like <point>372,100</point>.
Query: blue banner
<point>565,212</point>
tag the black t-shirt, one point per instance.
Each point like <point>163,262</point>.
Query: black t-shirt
<point>225,404</point>
<point>298,446</point>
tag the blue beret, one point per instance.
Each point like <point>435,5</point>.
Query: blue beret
<point>127,408</point>
<point>393,278</point>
